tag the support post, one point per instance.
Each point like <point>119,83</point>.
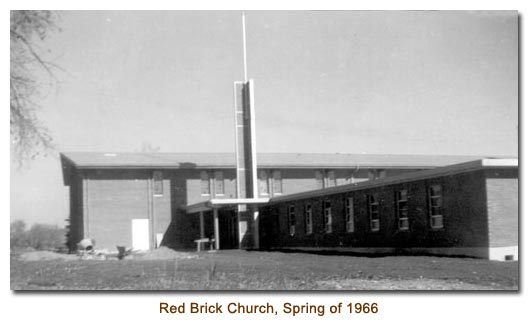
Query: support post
<point>86,215</point>
<point>202,227</point>
<point>216,229</point>
<point>150,213</point>
<point>256,235</point>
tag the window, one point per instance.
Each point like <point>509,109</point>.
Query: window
<point>402,210</point>
<point>325,179</point>
<point>277,182</point>
<point>373,210</point>
<point>327,211</point>
<point>158,183</point>
<point>263,182</point>
<point>319,183</point>
<point>308,218</point>
<point>376,174</point>
<point>291,219</point>
<point>349,211</point>
<point>204,183</point>
<point>435,207</point>
<point>219,183</point>
<point>331,178</point>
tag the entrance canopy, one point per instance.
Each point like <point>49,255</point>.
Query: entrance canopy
<point>220,203</point>
<point>214,205</point>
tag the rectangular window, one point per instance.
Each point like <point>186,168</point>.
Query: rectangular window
<point>157,176</point>
<point>277,182</point>
<point>349,211</point>
<point>327,207</point>
<point>204,183</point>
<point>263,182</point>
<point>436,207</point>
<point>219,183</point>
<point>308,218</point>
<point>291,219</point>
<point>331,178</point>
<point>373,210</point>
<point>319,180</point>
<point>402,210</point>
<point>376,174</point>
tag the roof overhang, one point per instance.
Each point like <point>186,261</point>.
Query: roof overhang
<point>499,163</point>
<point>222,203</point>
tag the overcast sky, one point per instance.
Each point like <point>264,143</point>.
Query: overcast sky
<point>350,82</point>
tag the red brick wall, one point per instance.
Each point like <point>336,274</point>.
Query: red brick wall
<point>162,205</point>
<point>114,199</point>
<point>294,181</point>
<point>465,222</point>
<point>503,207</point>
<point>184,189</point>
<point>117,196</point>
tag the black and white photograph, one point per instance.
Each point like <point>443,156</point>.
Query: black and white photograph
<point>264,150</point>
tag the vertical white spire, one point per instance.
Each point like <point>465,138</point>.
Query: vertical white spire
<point>244,43</point>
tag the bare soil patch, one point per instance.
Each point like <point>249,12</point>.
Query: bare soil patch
<point>164,253</point>
<point>45,255</point>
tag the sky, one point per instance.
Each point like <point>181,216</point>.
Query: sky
<point>379,82</point>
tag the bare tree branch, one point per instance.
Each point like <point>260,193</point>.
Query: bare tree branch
<point>42,63</point>
<point>29,136</point>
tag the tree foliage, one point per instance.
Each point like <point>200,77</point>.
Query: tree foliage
<point>17,235</point>
<point>39,236</point>
<point>29,136</point>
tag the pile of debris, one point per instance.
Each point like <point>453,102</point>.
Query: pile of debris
<point>86,251</point>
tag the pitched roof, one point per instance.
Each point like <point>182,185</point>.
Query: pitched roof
<point>101,160</point>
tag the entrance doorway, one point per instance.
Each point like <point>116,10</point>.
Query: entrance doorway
<point>269,224</point>
<point>140,234</point>
<point>228,229</point>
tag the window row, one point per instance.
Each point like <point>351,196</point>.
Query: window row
<point>218,177</point>
<point>270,182</point>
<point>401,208</point>
<point>215,180</point>
<point>327,178</point>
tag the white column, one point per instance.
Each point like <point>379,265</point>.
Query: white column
<point>256,235</point>
<point>216,229</point>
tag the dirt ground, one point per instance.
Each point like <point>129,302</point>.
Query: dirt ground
<point>165,269</point>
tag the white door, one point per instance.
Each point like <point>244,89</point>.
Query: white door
<point>140,234</point>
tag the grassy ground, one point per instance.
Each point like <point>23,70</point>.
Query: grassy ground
<point>234,270</point>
